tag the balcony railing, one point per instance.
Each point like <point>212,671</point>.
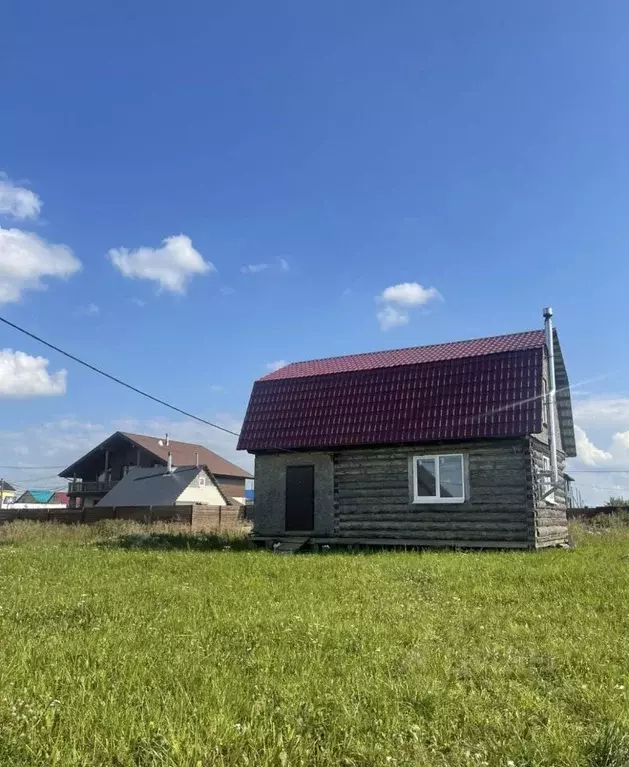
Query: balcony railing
<point>85,488</point>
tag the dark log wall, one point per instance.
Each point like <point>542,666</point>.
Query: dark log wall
<point>364,495</point>
<point>373,496</point>
<point>551,524</point>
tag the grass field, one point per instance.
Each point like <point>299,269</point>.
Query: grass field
<point>122,648</point>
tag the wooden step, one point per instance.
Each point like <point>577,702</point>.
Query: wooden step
<point>289,545</point>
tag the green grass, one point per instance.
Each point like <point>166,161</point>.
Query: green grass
<point>122,648</point>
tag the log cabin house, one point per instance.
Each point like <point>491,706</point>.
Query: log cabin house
<point>456,444</point>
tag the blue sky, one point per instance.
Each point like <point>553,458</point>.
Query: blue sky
<point>476,149</point>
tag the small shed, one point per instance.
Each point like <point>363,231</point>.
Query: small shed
<point>455,444</point>
<point>182,485</point>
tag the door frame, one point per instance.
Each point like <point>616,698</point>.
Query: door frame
<point>302,466</point>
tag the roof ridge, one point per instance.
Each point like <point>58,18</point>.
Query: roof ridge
<point>272,374</point>
<point>177,441</point>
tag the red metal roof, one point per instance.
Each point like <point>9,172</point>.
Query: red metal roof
<point>489,387</point>
<point>414,355</point>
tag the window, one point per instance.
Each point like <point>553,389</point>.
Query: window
<point>438,479</point>
<point>545,410</point>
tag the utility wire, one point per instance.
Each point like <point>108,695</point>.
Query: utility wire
<point>32,468</point>
<point>598,471</point>
<point>184,412</point>
<point>117,380</point>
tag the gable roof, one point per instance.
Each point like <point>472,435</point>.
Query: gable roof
<point>38,496</point>
<point>7,487</point>
<point>488,387</point>
<point>154,487</point>
<point>183,453</point>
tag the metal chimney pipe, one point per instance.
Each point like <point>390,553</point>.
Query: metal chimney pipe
<point>197,457</point>
<point>552,392</point>
<point>170,462</point>
<point>167,439</point>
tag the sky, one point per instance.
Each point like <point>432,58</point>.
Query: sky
<point>195,193</point>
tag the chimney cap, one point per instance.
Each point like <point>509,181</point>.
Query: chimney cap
<point>548,312</point>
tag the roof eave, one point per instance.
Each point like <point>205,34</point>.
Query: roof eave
<point>564,402</point>
<point>67,473</point>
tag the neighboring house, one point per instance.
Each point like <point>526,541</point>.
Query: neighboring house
<point>40,499</point>
<point>182,485</point>
<point>97,472</point>
<point>444,445</point>
<point>7,492</point>
<point>36,496</point>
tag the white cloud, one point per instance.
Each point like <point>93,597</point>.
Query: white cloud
<point>25,259</point>
<point>397,299</point>
<point>587,451</point>
<point>600,472</point>
<point>171,266</point>
<point>226,290</point>
<point>409,294</point>
<point>254,268</point>
<point>91,310</point>
<point>390,317</point>
<point>138,302</point>
<point>282,265</point>
<point>24,376</point>
<point>611,411</point>
<point>273,366</point>
<point>17,201</point>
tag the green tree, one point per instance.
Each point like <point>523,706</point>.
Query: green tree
<point>617,502</point>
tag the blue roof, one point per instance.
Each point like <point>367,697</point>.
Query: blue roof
<point>41,496</point>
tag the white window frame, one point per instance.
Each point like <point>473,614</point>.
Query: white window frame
<point>437,498</point>
<point>547,480</point>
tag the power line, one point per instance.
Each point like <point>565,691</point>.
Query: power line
<point>31,468</point>
<point>598,471</point>
<point>117,380</point>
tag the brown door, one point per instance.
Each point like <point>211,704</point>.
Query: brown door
<point>299,498</point>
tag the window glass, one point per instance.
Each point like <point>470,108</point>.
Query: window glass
<point>450,476</point>
<point>426,478</point>
<point>439,479</point>
<point>547,481</point>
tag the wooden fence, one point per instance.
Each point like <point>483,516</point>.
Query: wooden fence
<point>197,517</point>
<point>576,513</point>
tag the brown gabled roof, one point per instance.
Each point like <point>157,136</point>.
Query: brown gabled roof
<point>488,387</point>
<point>183,454</point>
